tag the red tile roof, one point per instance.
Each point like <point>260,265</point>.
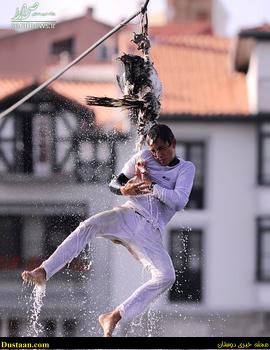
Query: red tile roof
<point>9,86</point>
<point>189,28</point>
<point>197,78</point>
<point>195,73</point>
<point>77,91</point>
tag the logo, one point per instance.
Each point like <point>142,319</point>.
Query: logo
<point>165,178</point>
<point>27,17</point>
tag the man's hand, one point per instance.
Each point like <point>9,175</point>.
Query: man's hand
<point>134,187</point>
<point>141,170</point>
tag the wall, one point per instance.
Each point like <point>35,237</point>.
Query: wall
<point>258,78</point>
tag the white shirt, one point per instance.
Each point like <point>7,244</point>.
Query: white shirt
<point>170,193</point>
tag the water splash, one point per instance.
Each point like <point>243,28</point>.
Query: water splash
<point>35,304</point>
<point>86,258</point>
<point>153,322</point>
<point>137,326</point>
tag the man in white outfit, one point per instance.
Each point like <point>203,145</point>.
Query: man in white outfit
<point>159,184</point>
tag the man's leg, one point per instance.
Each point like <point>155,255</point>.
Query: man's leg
<point>155,258</point>
<point>162,278</point>
<point>108,222</point>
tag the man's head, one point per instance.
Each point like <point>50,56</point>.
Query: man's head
<point>162,143</point>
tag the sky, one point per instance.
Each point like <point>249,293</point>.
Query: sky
<point>241,13</point>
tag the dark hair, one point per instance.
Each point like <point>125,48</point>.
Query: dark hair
<point>162,132</point>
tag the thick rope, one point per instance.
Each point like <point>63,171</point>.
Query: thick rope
<point>76,60</point>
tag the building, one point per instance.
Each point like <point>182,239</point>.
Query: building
<point>196,13</point>
<point>215,101</point>
<point>190,11</point>
<point>49,48</point>
<point>56,158</point>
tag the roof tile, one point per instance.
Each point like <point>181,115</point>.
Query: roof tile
<point>196,77</point>
<point>194,71</point>
<point>77,91</point>
<point>9,86</point>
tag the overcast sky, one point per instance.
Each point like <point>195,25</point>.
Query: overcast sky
<point>241,13</point>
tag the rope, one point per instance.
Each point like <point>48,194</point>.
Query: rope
<point>144,7</point>
<point>76,60</point>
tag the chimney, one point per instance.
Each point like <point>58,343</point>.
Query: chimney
<point>90,12</point>
<point>182,11</point>
<point>251,56</point>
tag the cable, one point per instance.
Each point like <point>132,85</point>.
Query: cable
<point>144,7</point>
<point>76,60</point>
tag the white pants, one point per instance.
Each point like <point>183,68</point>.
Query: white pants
<point>138,236</point>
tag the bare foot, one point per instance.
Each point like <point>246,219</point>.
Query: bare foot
<point>38,276</point>
<point>109,321</point>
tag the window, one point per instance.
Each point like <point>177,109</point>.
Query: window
<point>96,160</point>
<point>202,15</point>
<point>69,328</point>
<point>61,46</point>
<point>195,152</point>
<point>56,229</point>
<point>27,241</point>
<point>10,242</point>
<point>14,328</point>
<point>15,144</point>
<point>43,144</point>
<point>263,251</point>
<point>49,328</point>
<point>35,144</point>
<point>7,143</point>
<point>186,254</point>
<point>102,53</point>
<point>264,154</point>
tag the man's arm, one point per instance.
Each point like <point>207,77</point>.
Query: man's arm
<point>178,197</point>
<point>117,182</point>
<point>121,185</point>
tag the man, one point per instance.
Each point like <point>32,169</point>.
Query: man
<point>159,184</point>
